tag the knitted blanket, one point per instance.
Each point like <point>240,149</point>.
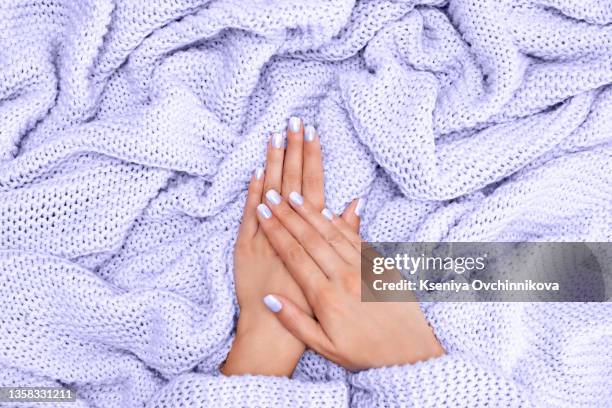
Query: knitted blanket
<point>129,130</point>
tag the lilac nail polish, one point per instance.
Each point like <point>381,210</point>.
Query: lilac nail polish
<point>295,124</point>
<point>272,303</point>
<point>264,211</point>
<point>309,133</point>
<point>273,197</point>
<point>277,140</point>
<point>360,207</point>
<point>327,214</point>
<point>296,198</point>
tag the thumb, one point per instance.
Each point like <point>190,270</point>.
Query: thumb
<point>352,214</point>
<point>299,324</point>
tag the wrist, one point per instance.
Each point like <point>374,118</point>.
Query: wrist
<point>262,346</point>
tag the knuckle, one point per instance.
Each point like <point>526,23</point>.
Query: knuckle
<point>334,237</point>
<point>294,253</point>
<point>316,203</point>
<point>308,235</point>
<point>282,210</point>
<point>311,181</point>
<point>312,287</point>
<point>291,174</point>
<point>352,285</point>
<point>326,297</point>
<point>350,279</point>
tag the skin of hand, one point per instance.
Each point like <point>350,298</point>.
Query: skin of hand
<point>262,345</point>
<point>323,255</point>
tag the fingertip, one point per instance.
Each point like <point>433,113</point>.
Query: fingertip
<point>264,211</point>
<point>255,186</point>
<point>295,133</point>
<point>273,303</point>
<point>327,214</point>
<point>248,226</point>
<point>360,207</point>
<point>299,323</point>
<point>258,174</point>
<point>277,141</point>
<point>286,312</point>
<point>295,124</point>
<point>351,214</point>
<point>283,308</point>
<point>310,133</point>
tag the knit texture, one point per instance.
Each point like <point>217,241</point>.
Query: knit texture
<point>129,130</point>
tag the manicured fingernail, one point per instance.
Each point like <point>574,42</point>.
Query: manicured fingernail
<point>360,207</point>
<point>277,140</point>
<point>264,211</point>
<point>327,214</point>
<point>273,197</point>
<point>309,133</point>
<point>294,124</point>
<point>273,303</point>
<point>296,198</point>
<point>259,173</point>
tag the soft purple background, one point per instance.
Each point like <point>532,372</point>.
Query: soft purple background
<point>129,130</point>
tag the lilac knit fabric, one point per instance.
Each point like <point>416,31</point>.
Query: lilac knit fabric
<point>129,130</point>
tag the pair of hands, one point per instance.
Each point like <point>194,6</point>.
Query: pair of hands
<point>304,262</point>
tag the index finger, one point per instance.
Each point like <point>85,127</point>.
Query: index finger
<point>301,266</point>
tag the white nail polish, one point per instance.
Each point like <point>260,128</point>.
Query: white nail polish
<point>273,197</point>
<point>296,198</point>
<point>264,211</point>
<point>294,124</point>
<point>277,140</point>
<point>360,207</point>
<point>327,214</point>
<point>259,173</point>
<point>309,133</point>
<point>273,303</point>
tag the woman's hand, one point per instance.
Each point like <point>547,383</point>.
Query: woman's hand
<point>262,345</point>
<point>322,253</point>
